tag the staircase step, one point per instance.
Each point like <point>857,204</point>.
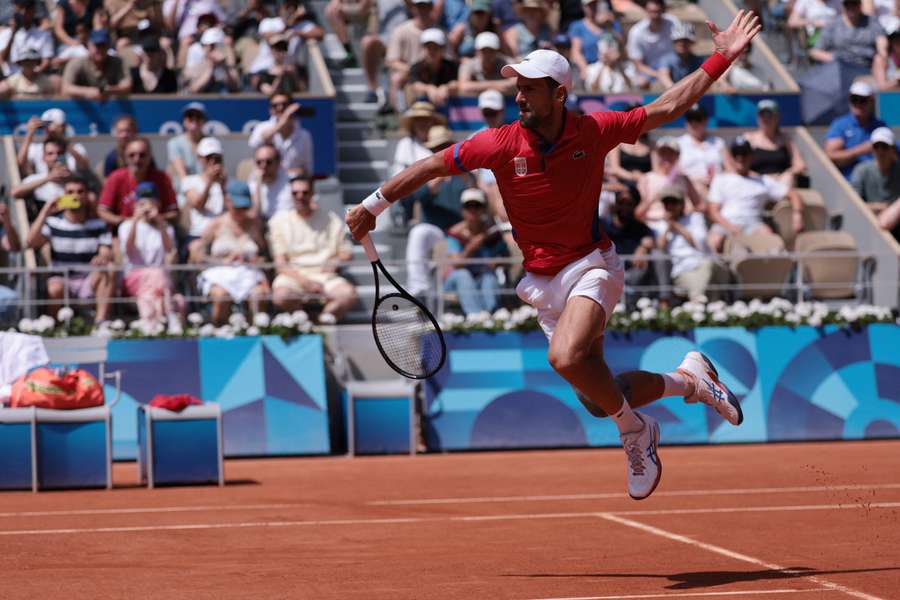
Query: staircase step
<point>357,111</point>
<point>363,150</point>
<point>363,170</point>
<point>355,131</point>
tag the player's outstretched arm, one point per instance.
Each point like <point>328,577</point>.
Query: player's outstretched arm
<point>361,219</point>
<point>729,44</point>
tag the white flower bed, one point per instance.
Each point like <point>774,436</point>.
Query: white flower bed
<point>649,315</point>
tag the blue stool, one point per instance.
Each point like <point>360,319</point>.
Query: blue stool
<point>180,447</point>
<point>381,417</point>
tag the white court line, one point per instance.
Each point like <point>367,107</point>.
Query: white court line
<point>735,555</point>
<point>605,495</point>
<point>693,594</point>
<point>404,520</point>
<point>146,509</point>
<point>687,511</point>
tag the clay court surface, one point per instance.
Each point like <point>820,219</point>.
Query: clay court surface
<point>775,521</point>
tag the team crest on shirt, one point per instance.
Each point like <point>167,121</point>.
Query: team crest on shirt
<point>521,166</point>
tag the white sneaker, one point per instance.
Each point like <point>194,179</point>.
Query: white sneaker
<point>708,389</point>
<point>644,466</point>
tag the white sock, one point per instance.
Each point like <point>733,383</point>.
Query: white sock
<point>626,419</point>
<point>676,384</point>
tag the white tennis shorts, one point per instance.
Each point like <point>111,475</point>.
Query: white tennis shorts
<point>599,276</point>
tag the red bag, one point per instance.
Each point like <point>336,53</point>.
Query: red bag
<point>176,403</point>
<point>45,388</point>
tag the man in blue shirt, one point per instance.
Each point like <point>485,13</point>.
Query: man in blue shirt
<point>682,61</point>
<point>847,141</point>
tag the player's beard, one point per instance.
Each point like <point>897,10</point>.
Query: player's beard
<point>528,119</point>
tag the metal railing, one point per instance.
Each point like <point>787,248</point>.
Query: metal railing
<point>796,286</point>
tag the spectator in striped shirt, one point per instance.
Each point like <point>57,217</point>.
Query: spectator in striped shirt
<point>76,239</point>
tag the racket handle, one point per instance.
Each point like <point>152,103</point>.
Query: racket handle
<point>369,247</point>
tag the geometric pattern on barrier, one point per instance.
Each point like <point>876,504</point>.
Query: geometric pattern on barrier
<point>272,392</point>
<point>498,390</point>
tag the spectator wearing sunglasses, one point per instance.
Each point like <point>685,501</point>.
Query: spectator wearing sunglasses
<point>270,186</point>
<point>117,200</point>
<point>283,130</point>
<point>878,181</point>
<point>847,141</point>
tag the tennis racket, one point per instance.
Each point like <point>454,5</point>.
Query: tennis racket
<point>406,333</point>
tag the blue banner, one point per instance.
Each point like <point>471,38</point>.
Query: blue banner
<point>498,390</point>
<point>163,116</point>
<point>272,392</point>
<point>724,110</point>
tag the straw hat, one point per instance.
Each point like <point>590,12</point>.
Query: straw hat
<point>438,136</point>
<point>421,109</point>
<point>540,4</point>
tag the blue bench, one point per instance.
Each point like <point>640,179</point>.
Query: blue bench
<point>180,447</point>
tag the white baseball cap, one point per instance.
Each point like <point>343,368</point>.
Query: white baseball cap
<point>433,35</point>
<point>473,195</point>
<point>861,88</point>
<point>271,25</point>
<point>209,146</point>
<point>54,115</point>
<point>212,37</point>
<point>540,64</point>
<point>491,100</point>
<point>487,39</point>
<point>883,135</point>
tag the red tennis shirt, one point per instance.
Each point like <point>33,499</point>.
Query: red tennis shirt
<point>551,191</point>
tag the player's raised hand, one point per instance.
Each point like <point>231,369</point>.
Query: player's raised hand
<point>731,42</point>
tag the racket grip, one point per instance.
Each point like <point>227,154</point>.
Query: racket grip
<point>369,246</point>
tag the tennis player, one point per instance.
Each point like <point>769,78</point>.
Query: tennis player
<point>549,168</point>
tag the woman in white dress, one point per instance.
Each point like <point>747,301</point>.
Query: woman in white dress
<point>235,245</point>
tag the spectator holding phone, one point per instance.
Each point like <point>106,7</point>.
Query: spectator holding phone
<point>205,194</point>
<point>283,130</point>
<point>147,243</point>
<point>76,240</point>
<point>31,154</point>
<point>47,186</point>
<point>270,185</point>
<point>99,75</point>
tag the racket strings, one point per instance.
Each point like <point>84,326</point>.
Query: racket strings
<point>408,338</point>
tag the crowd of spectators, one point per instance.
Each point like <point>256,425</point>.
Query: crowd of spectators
<point>101,49</point>
<point>439,49</point>
<point>115,232</point>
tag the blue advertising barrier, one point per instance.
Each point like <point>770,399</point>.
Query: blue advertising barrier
<point>271,391</point>
<point>162,116</point>
<point>498,391</point>
<point>724,110</point>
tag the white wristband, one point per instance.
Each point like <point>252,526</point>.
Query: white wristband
<point>376,203</point>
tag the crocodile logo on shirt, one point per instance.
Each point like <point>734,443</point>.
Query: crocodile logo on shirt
<point>577,154</point>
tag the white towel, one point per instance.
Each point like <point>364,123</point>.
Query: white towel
<point>19,353</point>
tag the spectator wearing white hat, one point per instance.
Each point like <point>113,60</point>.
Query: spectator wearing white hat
<point>25,33</point>
<point>475,237</point>
<point>650,39</point>
<point>45,187</point>
<point>268,29</point>
<point>480,20</point>
<point>405,49</point>
<point>204,194</point>
<point>283,130</point>
<point>434,77</point>
<point>185,18</point>
<point>217,71</point>
<point>28,82</point>
<point>847,141</point>
<point>31,154</point>
<point>878,181</point>
<point>284,75</point>
<point>483,71</point>
<point>682,61</point>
